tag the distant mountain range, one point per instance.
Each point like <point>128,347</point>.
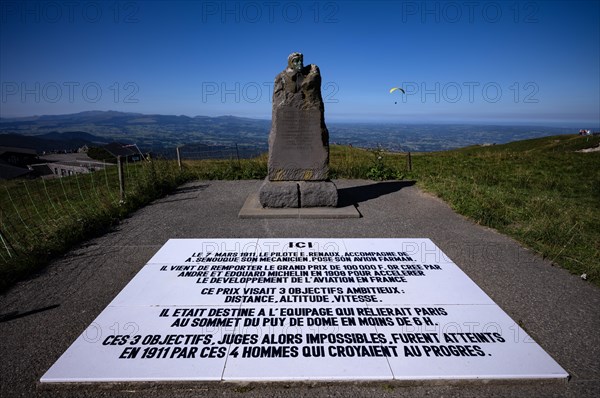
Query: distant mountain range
<point>150,132</point>
<point>112,122</point>
<point>162,133</point>
<point>53,141</point>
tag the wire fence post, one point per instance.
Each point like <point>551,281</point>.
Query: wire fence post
<point>6,244</point>
<point>178,158</point>
<point>409,162</point>
<point>121,178</point>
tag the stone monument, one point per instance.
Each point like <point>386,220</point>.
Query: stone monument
<point>298,168</point>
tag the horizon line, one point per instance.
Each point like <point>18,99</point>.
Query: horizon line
<point>337,120</point>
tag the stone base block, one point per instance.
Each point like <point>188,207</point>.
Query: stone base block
<point>277,194</point>
<point>318,194</point>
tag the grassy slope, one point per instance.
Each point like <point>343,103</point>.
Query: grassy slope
<point>540,191</point>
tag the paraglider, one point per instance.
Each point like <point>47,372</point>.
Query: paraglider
<point>398,89</point>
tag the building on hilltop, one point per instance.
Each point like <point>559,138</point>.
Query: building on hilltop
<point>19,157</point>
<point>14,161</point>
<point>67,168</point>
<point>25,163</point>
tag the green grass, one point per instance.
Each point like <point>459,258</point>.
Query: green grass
<point>348,162</point>
<point>228,169</point>
<point>541,192</point>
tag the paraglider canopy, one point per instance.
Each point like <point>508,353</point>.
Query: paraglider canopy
<point>398,89</point>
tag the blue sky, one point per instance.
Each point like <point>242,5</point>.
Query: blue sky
<point>477,61</point>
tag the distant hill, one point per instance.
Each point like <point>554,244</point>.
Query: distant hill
<point>124,121</point>
<point>71,135</point>
<point>53,141</point>
<point>86,117</point>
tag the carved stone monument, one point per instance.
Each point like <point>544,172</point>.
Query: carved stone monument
<point>298,168</point>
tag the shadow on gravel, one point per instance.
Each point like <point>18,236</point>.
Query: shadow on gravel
<point>18,314</point>
<point>354,195</point>
<point>172,197</point>
<point>190,188</point>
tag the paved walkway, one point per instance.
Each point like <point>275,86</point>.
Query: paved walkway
<point>48,312</point>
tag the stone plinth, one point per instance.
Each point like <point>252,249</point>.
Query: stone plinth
<point>317,194</point>
<point>298,194</point>
<point>279,194</point>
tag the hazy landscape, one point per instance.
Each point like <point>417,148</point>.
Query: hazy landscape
<point>444,240</point>
<point>162,133</point>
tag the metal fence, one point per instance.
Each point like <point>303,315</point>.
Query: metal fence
<point>40,212</point>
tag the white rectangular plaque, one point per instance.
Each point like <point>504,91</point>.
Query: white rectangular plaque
<point>301,309</point>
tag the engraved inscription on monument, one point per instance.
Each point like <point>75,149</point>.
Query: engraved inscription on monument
<point>297,147</point>
<point>297,125</point>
